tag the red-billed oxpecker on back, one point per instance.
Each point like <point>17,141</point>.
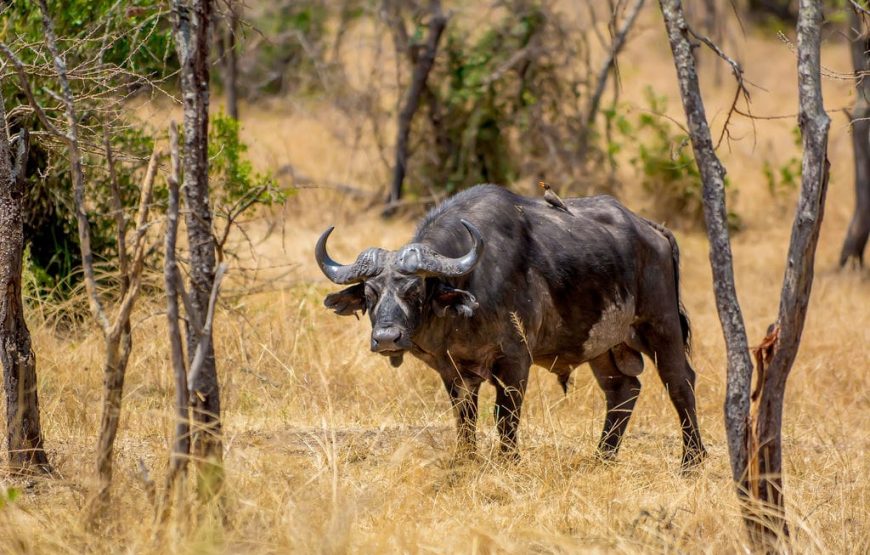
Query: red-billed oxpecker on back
<point>493,282</point>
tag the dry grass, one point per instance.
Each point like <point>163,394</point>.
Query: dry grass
<point>329,449</point>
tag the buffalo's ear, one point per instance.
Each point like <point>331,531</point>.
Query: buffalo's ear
<point>448,298</point>
<point>347,301</point>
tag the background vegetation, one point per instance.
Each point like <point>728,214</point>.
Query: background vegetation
<point>329,449</point>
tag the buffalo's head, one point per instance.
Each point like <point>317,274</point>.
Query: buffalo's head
<point>399,289</point>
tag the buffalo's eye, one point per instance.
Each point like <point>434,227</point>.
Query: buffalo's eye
<point>371,296</point>
<point>412,289</point>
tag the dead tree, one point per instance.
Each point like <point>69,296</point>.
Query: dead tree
<point>425,61</point>
<point>755,442</point>
<point>859,227</point>
<point>23,433</point>
<point>190,29</point>
<point>115,331</point>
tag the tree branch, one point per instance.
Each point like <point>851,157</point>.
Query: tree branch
<point>78,178</point>
<point>610,61</point>
<point>205,334</point>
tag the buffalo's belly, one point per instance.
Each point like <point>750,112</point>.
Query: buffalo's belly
<point>576,342</point>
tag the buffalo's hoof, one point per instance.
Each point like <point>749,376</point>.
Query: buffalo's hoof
<point>509,455</point>
<point>692,460</point>
<point>606,453</point>
<point>464,455</point>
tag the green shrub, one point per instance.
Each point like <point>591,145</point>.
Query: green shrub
<point>663,158</point>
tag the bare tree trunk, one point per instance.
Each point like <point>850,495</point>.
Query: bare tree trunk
<point>191,24</point>
<point>765,473</point>
<point>23,432</point>
<point>172,277</point>
<point>756,449</point>
<point>859,227</point>
<point>117,332</point>
<point>716,219</point>
<point>437,23</point>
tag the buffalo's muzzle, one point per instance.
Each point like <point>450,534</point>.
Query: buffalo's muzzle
<point>386,339</point>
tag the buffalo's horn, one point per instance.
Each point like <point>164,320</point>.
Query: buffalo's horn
<point>439,265</point>
<point>368,263</point>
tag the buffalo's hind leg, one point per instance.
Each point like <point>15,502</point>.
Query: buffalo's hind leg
<point>621,392</point>
<point>678,376</point>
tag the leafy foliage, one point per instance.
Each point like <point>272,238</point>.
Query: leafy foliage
<point>501,103</point>
<point>111,49</point>
<point>786,177</point>
<point>664,160</point>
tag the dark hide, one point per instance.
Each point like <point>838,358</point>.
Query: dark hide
<point>597,284</point>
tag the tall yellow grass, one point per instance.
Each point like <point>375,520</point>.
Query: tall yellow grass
<point>329,449</point>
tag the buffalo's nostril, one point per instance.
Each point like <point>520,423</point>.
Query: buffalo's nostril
<point>384,339</point>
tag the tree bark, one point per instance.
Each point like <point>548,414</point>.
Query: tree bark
<point>191,25</point>
<point>437,23</point>
<point>172,277</point>
<point>23,433</point>
<point>859,227</point>
<point>780,349</point>
<point>715,216</point>
<point>755,449</point>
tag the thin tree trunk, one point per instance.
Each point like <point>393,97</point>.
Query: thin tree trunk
<point>715,216</point>
<point>781,348</point>
<point>859,227</point>
<point>117,332</point>
<point>191,24</point>
<point>755,449</point>
<point>437,23</point>
<point>23,432</point>
<point>172,277</point>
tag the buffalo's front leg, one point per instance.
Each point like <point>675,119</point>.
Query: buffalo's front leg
<point>463,395</point>
<point>510,387</point>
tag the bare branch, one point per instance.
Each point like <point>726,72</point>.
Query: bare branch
<point>78,178</point>
<point>205,336</point>
<point>139,250</point>
<point>118,208</point>
<point>181,441</point>
<point>28,92</point>
<point>610,62</point>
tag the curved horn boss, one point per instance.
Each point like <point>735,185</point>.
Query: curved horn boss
<point>370,262</point>
<point>427,262</point>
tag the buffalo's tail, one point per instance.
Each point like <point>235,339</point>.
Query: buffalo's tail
<point>675,256</point>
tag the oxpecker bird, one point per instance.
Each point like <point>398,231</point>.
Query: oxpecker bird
<point>552,198</point>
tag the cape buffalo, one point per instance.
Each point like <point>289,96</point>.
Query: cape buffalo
<point>493,282</point>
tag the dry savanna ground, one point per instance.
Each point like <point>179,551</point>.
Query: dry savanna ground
<point>329,449</point>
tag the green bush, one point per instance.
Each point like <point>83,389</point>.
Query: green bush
<point>502,102</point>
<point>663,158</point>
